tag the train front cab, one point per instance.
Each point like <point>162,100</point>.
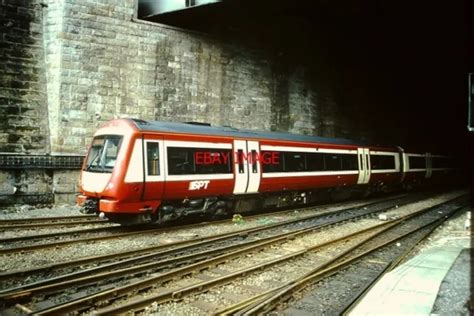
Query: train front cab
<point>98,169</point>
<point>138,180</point>
<point>115,178</point>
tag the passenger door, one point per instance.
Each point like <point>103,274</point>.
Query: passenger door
<point>363,158</point>
<point>247,168</point>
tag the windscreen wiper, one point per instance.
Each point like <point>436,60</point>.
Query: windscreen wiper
<point>94,159</point>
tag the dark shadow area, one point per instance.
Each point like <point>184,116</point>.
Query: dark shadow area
<point>399,66</point>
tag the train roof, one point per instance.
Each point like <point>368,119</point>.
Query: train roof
<point>207,129</point>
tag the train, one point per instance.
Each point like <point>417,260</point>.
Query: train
<point>139,171</point>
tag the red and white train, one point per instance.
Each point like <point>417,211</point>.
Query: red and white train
<point>143,171</point>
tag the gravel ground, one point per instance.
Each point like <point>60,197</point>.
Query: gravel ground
<point>325,297</point>
<point>454,291</point>
<point>452,233</point>
<point>424,203</point>
<point>272,276</point>
<point>19,232</point>
<point>47,256</point>
<point>250,260</point>
<point>68,253</point>
<point>263,280</point>
<point>331,295</point>
<point>29,211</point>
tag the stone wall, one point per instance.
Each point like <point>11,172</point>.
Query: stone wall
<point>26,186</point>
<point>69,65</point>
<point>113,66</point>
<point>23,106</point>
<point>23,99</point>
<point>65,186</point>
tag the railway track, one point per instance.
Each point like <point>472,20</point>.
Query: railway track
<point>44,222</point>
<point>66,267</point>
<point>187,290</point>
<point>21,244</point>
<point>27,242</point>
<point>360,266</point>
<point>120,279</point>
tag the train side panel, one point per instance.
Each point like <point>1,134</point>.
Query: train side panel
<point>137,171</point>
<point>300,183</point>
<point>187,178</point>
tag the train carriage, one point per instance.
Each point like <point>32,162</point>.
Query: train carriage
<point>151,171</point>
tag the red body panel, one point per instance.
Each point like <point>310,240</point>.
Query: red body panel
<point>305,183</point>
<point>112,206</point>
<point>176,190</point>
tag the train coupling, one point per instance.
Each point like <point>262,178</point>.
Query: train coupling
<point>90,206</point>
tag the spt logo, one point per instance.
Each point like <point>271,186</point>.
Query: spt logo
<point>198,185</point>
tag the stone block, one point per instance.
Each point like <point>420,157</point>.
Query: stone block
<point>83,57</point>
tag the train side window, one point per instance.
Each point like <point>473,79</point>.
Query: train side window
<point>314,162</point>
<point>382,162</point>
<point>349,162</point>
<point>183,160</point>
<point>295,162</point>
<point>153,158</point>
<point>332,162</point>
<point>272,165</point>
<point>417,162</point>
<point>210,161</point>
<point>180,161</point>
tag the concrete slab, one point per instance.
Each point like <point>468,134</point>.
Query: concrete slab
<point>412,288</point>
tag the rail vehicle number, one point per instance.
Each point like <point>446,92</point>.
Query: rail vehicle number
<point>198,185</point>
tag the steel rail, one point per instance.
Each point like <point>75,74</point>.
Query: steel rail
<point>176,294</point>
<point>39,286</point>
<point>254,300</point>
<point>118,255</point>
<point>317,274</point>
<point>62,233</point>
<point>93,217</point>
<point>74,278</point>
<point>179,272</point>
<point>161,229</point>
<point>390,266</point>
<point>52,224</point>
<point>44,219</point>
